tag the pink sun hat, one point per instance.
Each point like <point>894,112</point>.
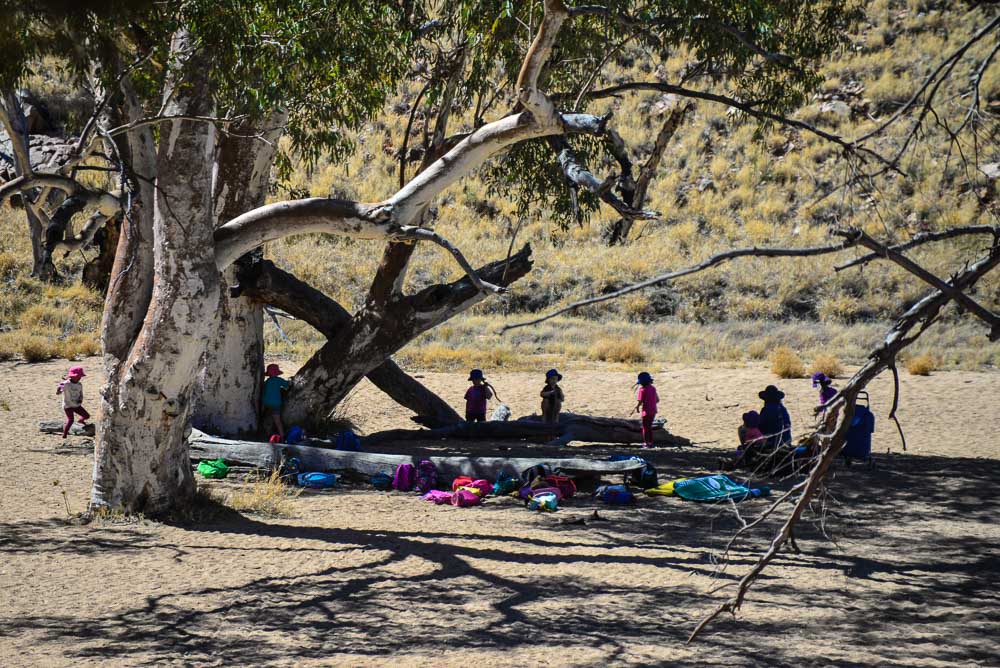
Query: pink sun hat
<point>273,370</point>
<point>76,372</point>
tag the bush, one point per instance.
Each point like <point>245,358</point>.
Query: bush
<point>36,349</point>
<point>921,365</point>
<point>828,364</point>
<point>625,351</point>
<point>786,364</point>
<point>78,345</point>
<point>8,347</point>
<point>264,496</point>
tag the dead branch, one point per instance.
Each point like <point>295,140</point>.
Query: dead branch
<point>927,237</point>
<point>714,260</point>
<point>423,234</point>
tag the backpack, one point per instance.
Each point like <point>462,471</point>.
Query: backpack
<point>505,484</point>
<point>484,487</point>
<point>501,413</point>
<point>295,435</point>
<point>460,481</point>
<point>347,440</point>
<point>382,481</point>
<point>463,498</point>
<point>213,468</point>
<point>543,501</point>
<point>644,478</point>
<point>404,478</point>
<point>426,476</point>
<point>316,480</point>
<point>438,497</point>
<point>536,471</point>
<point>564,483</point>
<point>615,495</point>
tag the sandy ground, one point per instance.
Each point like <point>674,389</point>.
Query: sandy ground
<point>903,571</point>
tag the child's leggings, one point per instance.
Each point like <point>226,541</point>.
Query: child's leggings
<point>647,429</point>
<point>84,415</point>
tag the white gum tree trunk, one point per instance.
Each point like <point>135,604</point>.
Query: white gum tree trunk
<point>229,383</point>
<point>141,463</point>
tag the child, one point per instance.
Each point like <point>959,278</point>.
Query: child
<point>552,396</point>
<point>477,396</point>
<point>749,432</point>
<point>272,399</point>
<point>646,400</point>
<point>72,391</point>
<point>825,385</point>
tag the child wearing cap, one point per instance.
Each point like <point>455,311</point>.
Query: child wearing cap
<point>271,399</point>
<point>71,390</point>
<point>646,402</point>
<point>826,389</point>
<point>552,396</point>
<point>476,397</point>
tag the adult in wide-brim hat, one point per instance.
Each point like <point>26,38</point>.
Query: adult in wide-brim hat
<point>771,393</point>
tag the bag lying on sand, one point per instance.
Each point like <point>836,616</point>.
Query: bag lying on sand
<point>644,478</point>
<point>546,501</point>
<point>213,468</point>
<point>665,489</point>
<point>501,413</point>
<point>437,496</point>
<point>460,481</point>
<point>426,476</point>
<point>404,478</point>
<point>382,481</point>
<point>347,440</point>
<point>615,495</point>
<point>316,480</point>
<point>505,484</point>
<point>715,488</point>
<point>464,498</point>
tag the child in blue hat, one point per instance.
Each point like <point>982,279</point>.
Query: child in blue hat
<point>646,402</point>
<point>476,397</point>
<point>552,397</point>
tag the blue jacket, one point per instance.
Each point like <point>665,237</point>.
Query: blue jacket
<point>774,418</point>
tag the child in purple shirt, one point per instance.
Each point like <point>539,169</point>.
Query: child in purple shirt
<point>477,396</point>
<point>825,385</point>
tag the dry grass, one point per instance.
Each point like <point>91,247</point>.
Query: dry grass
<point>785,363</point>
<point>828,364</point>
<point>622,351</point>
<point>264,495</point>
<point>36,348</point>
<point>922,365</point>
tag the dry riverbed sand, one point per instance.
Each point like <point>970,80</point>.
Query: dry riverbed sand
<point>902,572</point>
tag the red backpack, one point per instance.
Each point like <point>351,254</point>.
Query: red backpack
<point>564,483</point>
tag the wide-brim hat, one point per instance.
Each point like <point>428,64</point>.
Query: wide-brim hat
<point>476,374</point>
<point>553,372</point>
<point>273,370</point>
<point>76,372</point>
<point>644,377</point>
<point>771,393</point>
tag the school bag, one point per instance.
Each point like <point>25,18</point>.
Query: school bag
<point>644,478</point>
<point>460,481</point>
<point>295,435</point>
<point>564,483</point>
<point>317,480</point>
<point>536,471</point>
<point>426,476</point>
<point>505,484</point>
<point>615,495</point>
<point>438,497</point>
<point>404,478</point>
<point>464,498</point>
<point>347,440</point>
<point>483,486</point>
<point>546,501</point>
<point>213,468</point>
<point>382,481</point>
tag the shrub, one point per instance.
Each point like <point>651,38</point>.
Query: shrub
<point>617,350</point>
<point>44,315</point>
<point>264,496</point>
<point>36,348</point>
<point>8,347</point>
<point>828,364</point>
<point>921,365</point>
<point>786,364</point>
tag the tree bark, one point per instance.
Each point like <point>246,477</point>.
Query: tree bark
<point>268,284</point>
<point>230,380</point>
<point>141,462</point>
<point>375,335</point>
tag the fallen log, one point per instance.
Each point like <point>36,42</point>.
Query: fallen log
<point>76,430</point>
<point>571,427</point>
<point>268,456</point>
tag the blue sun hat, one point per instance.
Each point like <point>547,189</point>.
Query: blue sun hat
<point>553,372</point>
<point>644,378</point>
<point>476,374</point>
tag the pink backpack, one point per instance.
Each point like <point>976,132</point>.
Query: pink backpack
<point>484,486</point>
<point>463,498</point>
<point>426,476</point>
<point>437,496</point>
<point>404,478</point>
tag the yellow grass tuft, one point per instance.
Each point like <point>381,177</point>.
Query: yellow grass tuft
<point>266,496</point>
<point>828,364</point>
<point>36,348</point>
<point>786,364</point>
<point>625,351</point>
<point>922,365</point>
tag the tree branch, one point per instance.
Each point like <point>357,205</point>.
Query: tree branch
<point>927,237</point>
<point>528,93</point>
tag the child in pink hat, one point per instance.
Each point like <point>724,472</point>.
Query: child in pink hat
<point>71,390</point>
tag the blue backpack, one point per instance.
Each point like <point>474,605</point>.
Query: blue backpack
<point>347,440</point>
<point>644,478</point>
<point>382,481</point>
<point>615,495</point>
<point>316,480</point>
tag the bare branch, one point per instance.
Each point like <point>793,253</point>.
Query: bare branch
<point>38,180</point>
<point>694,269</point>
<point>423,234</point>
<point>927,237</point>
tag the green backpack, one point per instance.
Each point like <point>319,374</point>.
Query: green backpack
<point>213,468</point>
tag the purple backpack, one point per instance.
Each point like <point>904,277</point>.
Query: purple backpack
<point>404,478</point>
<point>426,476</point>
